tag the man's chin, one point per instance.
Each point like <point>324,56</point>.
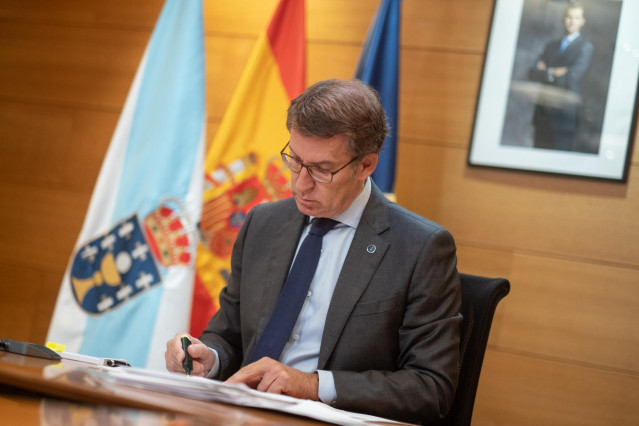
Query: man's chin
<point>306,207</point>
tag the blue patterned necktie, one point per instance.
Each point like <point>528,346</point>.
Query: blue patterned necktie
<point>564,44</point>
<point>289,303</point>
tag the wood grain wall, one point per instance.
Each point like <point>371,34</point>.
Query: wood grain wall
<point>565,343</point>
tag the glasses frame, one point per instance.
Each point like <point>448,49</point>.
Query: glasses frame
<point>285,159</point>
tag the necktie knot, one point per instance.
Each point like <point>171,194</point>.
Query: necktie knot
<point>321,226</point>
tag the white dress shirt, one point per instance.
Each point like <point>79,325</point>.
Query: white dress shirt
<point>302,350</point>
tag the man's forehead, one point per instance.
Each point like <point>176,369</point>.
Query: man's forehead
<point>319,150</point>
<point>339,141</point>
<point>572,10</point>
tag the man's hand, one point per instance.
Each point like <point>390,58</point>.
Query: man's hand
<point>268,375</point>
<point>203,357</point>
<point>559,71</point>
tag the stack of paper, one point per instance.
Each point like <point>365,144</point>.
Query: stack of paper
<point>236,394</point>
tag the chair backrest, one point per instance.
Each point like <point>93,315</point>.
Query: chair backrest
<point>480,297</point>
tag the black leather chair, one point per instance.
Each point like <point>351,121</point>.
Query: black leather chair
<point>480,297</point>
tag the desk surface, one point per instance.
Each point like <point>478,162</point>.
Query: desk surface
<point>20,408</point>
<point>36,391</point>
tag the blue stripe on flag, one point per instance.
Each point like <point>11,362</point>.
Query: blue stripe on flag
<point>162,148</point>
<point>379,67</point>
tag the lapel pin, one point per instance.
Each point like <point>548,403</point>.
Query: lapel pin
<point>371,248</point>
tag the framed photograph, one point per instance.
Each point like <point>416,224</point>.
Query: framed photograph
<point>559,88</point>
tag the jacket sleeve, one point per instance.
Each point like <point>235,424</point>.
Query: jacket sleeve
<point>223,332</point>
<point>577,68</point>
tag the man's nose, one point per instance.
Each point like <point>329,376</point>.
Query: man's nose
<point>304,180</point>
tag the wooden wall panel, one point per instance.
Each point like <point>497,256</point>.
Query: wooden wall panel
<point>458,25</point>
<point>42,225</point>
<point>438,95</point>
<point>331,61</point>
<point>592,221</point>
<point>53,146</point>
<point>27,299</point>
<point>62,65</point>
<point>520,390</point>
<point>590,317</point>
<point>114,13</point>
<point>49,161</point>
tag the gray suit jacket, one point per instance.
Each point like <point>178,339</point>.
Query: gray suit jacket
<point>391,337</point>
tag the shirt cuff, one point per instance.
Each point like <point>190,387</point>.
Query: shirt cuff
<point>326,387</point>
<point>213,372</point>
<point>549,74</point>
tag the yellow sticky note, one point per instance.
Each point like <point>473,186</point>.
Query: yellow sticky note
<point>56,347</point>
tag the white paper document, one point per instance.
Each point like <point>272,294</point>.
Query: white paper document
<point>236,394</point>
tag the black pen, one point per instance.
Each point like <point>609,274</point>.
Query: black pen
<point>187,364</point>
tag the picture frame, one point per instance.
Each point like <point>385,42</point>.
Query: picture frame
<point>540,109</point>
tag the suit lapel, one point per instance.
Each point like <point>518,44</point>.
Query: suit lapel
<point>574,48</point>
<point>282,252</point>
<point>359,267</point>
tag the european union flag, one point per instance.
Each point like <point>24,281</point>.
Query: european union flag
<point>379,67</point>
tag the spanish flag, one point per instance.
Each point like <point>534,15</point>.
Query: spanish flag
<point>242,166</point>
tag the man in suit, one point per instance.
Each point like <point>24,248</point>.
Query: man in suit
<point>562,65</point>
<point>378,331</point>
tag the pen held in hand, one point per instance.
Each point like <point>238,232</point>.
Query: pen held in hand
<point>187,364</point>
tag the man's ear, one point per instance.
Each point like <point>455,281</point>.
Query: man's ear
<point>368,165</point>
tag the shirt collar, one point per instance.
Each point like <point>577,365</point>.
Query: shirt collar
<point>353,213</point>
<point>572,36</point>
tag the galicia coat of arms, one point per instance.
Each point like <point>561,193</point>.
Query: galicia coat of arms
<point>129,259</point>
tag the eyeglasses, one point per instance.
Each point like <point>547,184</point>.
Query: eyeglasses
<point>317,173</point>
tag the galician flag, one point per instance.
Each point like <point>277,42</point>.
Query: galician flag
<point>379,67</point>
<point>242,166</point>
<point>129,283</point>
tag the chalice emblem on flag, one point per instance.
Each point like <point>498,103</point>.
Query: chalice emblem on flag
<point>129,258</point>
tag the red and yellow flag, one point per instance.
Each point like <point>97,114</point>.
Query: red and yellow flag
<point>243,167</point>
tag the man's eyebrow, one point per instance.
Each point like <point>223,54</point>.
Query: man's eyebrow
<point>325,164</point>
